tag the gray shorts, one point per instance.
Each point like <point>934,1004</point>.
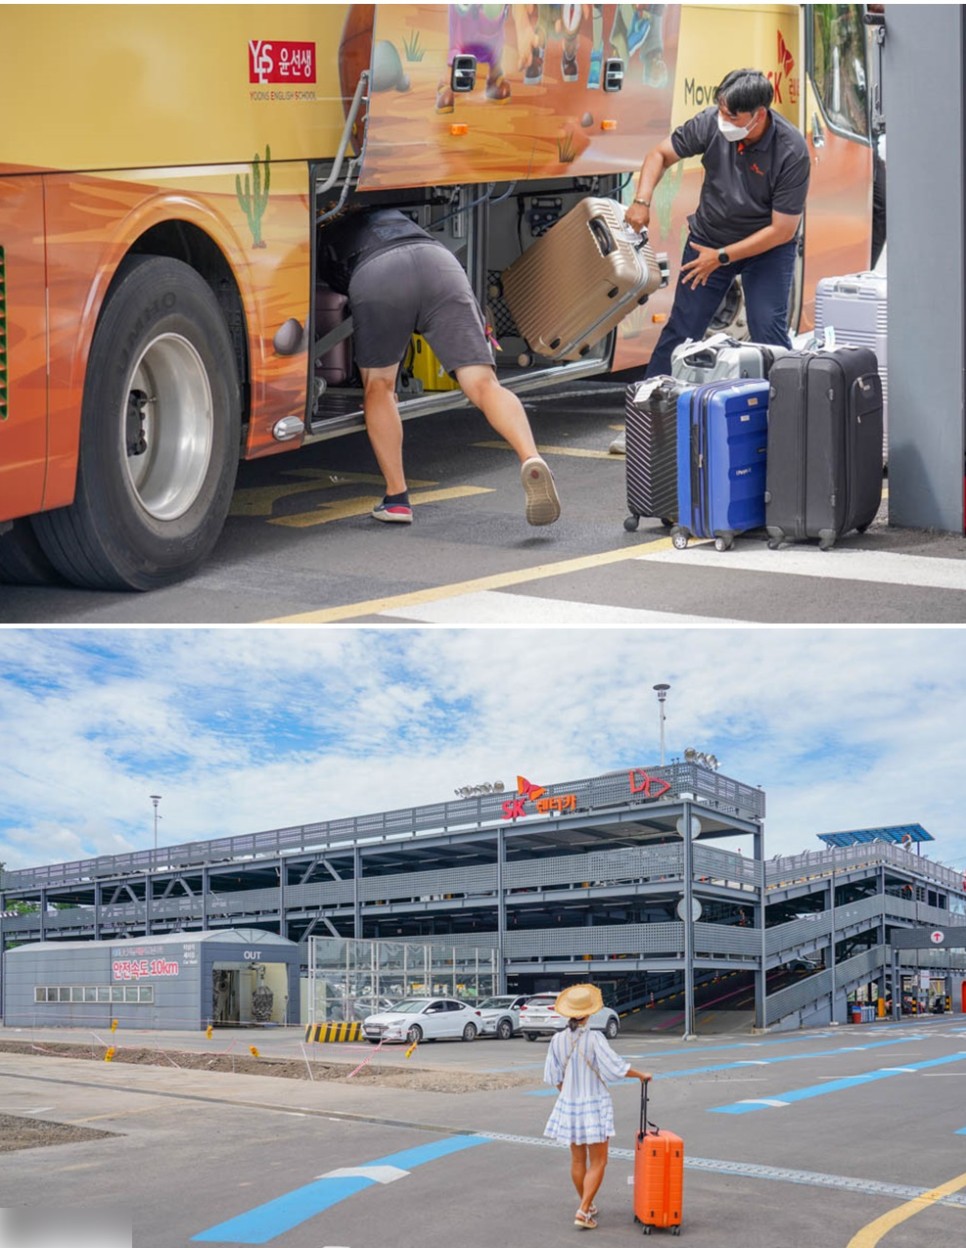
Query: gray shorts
<point>416,288</point>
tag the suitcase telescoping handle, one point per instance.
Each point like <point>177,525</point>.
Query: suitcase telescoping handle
<point>644,1122</point>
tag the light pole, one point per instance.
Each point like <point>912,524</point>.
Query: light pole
<point>661,691</point>
<point>155,798</point>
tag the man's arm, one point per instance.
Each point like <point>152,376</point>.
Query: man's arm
<point>782,230</point>
<point>658,160</point>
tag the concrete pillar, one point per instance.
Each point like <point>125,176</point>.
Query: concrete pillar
<point>922,100</point>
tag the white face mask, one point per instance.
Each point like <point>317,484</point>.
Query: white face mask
<point>734,133</point>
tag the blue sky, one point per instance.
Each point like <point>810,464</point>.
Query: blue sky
<point>247,729</point>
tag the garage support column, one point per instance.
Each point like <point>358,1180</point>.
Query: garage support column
<point>357,893</point>
<point>923,92</point>
<point>689,1022</point>
<point>761,983</point>
<point>205,887</point>
<point>282,919</point>
<point>501,909</point>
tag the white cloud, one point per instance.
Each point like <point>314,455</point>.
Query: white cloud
<point>243,730</point>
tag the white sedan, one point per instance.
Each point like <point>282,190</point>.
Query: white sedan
<point>424,1018</point>
<point>539,1018</point>
<point>501,1015</point>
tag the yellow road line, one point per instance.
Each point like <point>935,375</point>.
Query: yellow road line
<point>328,512</point>
<point>500,580</point>
<point>260,500</point>
<point>572,452</point>
<point>870,1235</point>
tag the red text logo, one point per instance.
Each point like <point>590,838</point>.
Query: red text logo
<point>516,808</point>
<point>652,788</point>
<point>270,61</point>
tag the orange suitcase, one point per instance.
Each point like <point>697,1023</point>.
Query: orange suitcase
<point>658,1175</point>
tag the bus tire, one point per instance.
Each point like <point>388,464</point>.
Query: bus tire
<point>159,440</point>
<point>22,559</point>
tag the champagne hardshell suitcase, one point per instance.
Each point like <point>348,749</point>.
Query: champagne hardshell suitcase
<point>824,474</point>
<point>651,416</point>
<point>722,455</point>
<point>720,357</point>
<point>579,280</point>
<point>658,1175</point>
<point>854,308</point>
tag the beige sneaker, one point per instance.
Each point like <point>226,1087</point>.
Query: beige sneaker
<point>543,504</point>
<point>619,445</point>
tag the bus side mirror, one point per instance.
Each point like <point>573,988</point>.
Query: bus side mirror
<point>462,74</point>
<point>613,73</point>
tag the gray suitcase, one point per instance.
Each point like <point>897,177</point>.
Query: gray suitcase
<point>720,358</point>
<point>854,309</point>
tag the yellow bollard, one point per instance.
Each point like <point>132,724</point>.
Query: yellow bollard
<point>881,1007</point>
<point>113,1025</point>
<point>254,1052</point>
<point>209,1031</point>
<point>109,1055</point>
<point>412,1048</point>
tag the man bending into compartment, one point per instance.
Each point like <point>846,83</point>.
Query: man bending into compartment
<point>756,171</point>
<point>401,281</point>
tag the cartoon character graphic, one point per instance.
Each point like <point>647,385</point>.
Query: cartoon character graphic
<point>477,30</point>
<point>536,25</point>
<point>638,31</point>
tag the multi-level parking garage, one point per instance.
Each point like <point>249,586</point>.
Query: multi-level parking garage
<point>596,878</point>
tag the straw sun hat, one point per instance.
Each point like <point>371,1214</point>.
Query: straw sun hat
<point>579,1000</point>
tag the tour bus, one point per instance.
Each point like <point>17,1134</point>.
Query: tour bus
<point>167,170</point>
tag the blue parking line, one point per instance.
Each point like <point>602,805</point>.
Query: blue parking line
<point>741,1063</point>
<point>781,1099</point>
<point>268,1221</point>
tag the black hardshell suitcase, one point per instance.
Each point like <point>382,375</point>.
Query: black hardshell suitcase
<point>824,474</point>
<point>650,409</point>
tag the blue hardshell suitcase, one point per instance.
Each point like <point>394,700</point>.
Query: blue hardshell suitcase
<point>721,453</point>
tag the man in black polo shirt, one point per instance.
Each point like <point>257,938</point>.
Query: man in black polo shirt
<point>756,178</point>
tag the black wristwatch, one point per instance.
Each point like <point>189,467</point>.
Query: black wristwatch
<point>723,257</point>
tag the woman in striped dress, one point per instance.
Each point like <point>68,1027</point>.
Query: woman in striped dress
<point>580,1064</point>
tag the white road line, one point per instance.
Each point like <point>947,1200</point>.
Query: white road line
<point>493,607</point>
<point>838,564</point>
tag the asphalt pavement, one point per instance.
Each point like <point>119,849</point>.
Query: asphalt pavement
<point>851,1136</point>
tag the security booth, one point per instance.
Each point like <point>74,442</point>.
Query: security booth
<point>929,967</point>
<point>180,981</point>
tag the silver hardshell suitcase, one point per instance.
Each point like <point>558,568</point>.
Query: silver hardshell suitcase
<point>721,358</point>
<point>578,281</point>
<point>854,309</point>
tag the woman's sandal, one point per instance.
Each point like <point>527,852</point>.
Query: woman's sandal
<point>584,1220</point>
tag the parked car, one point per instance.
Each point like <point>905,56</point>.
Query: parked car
<point>424,1018</point>
<point>539,1018</point>
<point>501,1015</point>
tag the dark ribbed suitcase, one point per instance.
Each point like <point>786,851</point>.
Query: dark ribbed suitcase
<point>578,281</point>
<point>722,452</point>
<point>824,445</point>
<point>334,366</point>
<point>651,420</point>
<point>658,1175</point>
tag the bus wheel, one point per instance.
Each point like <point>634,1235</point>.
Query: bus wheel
<point>22,560</point>
<point>159,440</point>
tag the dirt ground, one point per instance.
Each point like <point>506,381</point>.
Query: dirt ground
<point>281,1068</point>
<point>17,1133</point>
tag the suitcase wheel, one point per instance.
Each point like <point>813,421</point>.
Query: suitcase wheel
<point>645,1229</point>
<point>679,539</point>
<point>826,541</point>
<point>631,523</point>
<point>724,541</point>
<point>668,524</point>
<point>775,543</point>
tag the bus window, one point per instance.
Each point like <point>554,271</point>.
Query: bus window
<point>838,53</point>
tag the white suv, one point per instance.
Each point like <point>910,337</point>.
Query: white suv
<point>539,1018</point>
